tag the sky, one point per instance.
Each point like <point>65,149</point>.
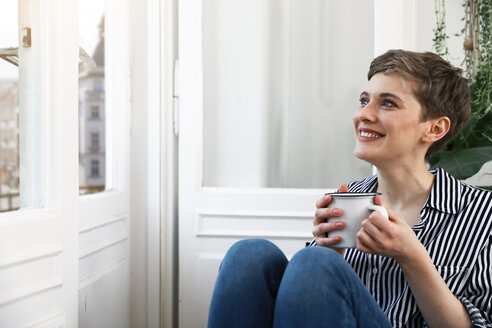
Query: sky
<point>90,14</point>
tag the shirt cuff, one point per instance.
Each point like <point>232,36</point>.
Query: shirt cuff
<point>475,314</point>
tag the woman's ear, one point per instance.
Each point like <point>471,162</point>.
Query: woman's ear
<point>437,129</point>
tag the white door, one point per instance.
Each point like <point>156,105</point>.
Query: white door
<point>265,125</point>
<point>104,108</point>
<point>38,243</point>
<point>267,93</point>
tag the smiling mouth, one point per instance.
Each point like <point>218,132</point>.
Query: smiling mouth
<point>367,134</point>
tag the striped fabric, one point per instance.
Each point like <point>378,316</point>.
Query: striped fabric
<point>455,228</point>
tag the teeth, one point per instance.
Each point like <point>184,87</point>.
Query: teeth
<point>370,135</point>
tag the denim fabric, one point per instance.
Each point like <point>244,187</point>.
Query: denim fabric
<point>258,287</point>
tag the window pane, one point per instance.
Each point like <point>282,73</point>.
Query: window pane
<point>281,85</point>
<point>9,108</point>
<point>92,104</point>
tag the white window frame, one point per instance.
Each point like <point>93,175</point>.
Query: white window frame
<point>45,96</point>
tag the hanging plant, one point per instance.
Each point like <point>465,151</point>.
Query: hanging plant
<point>465,154</point>
<point>440,36</point>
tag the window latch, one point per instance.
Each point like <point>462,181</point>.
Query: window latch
<point>26,37</point>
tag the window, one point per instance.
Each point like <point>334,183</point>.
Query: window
<point>92,98</point>
<point>94,168</point>
<point>95,112</point>
<point>98,85</point>
<point>94,141</point>
<point>9,109</point>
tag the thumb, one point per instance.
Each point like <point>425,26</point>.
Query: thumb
<point>391,214</point>
<point>343,188</point>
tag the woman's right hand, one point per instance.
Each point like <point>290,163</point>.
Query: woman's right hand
<point>322,228</point>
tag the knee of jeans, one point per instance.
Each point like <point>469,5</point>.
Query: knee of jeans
<point>254,251</point>
<point>252,245</point>
<point>314,256</point>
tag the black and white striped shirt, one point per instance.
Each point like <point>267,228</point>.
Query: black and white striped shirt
<point>455,228</point>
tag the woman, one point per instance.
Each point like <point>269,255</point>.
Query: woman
<point>428,265</point>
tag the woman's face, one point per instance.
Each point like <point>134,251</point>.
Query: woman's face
<point>388,124</point>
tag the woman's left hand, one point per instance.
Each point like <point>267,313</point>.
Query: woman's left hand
<point>392,238</point>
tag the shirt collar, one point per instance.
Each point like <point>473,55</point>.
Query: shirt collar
<point>445,195</point>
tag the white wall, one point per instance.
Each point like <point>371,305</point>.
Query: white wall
<point>281,84</point>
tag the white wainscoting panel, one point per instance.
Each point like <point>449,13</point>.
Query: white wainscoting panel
<point>54,321</point>
<point>264,224</point>
<point>103,263</point>
<point>29,272</point>
<point>103,245</point>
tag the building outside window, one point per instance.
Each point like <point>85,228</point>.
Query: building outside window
<point>92,102</point>
<point>9,111</point>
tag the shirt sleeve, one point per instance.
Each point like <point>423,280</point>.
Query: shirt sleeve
<point>477,297</point>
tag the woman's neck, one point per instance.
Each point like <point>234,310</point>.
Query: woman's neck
<point>405,188</point>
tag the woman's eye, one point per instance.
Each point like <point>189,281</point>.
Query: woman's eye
<point>389,103</point>
<point>363,101</point>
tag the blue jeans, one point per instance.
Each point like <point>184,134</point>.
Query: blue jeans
<point>258,287</point>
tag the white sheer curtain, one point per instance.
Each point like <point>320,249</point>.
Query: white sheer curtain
<point>281,84</point>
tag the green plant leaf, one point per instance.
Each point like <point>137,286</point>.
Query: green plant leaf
<point>464,155</point>
<point>462,163</point>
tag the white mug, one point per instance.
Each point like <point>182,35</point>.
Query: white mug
<point>356,208</point>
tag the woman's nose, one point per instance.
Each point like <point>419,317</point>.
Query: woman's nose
<point>367,113</point>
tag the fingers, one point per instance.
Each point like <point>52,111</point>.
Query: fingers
<point>322,214</point>
<point>325,233</point>
<point>324,228</point>
<point>363,242</point>
<point>328,241</point>
<point>326,199</point>
<point>378,221</point>
<point>394,217</point>
<point>379,228</point>
<point>372,228</point>
<point>323,201</point>
<point>391,214</point>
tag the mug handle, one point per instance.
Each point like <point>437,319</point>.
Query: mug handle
<point>378,208</point>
